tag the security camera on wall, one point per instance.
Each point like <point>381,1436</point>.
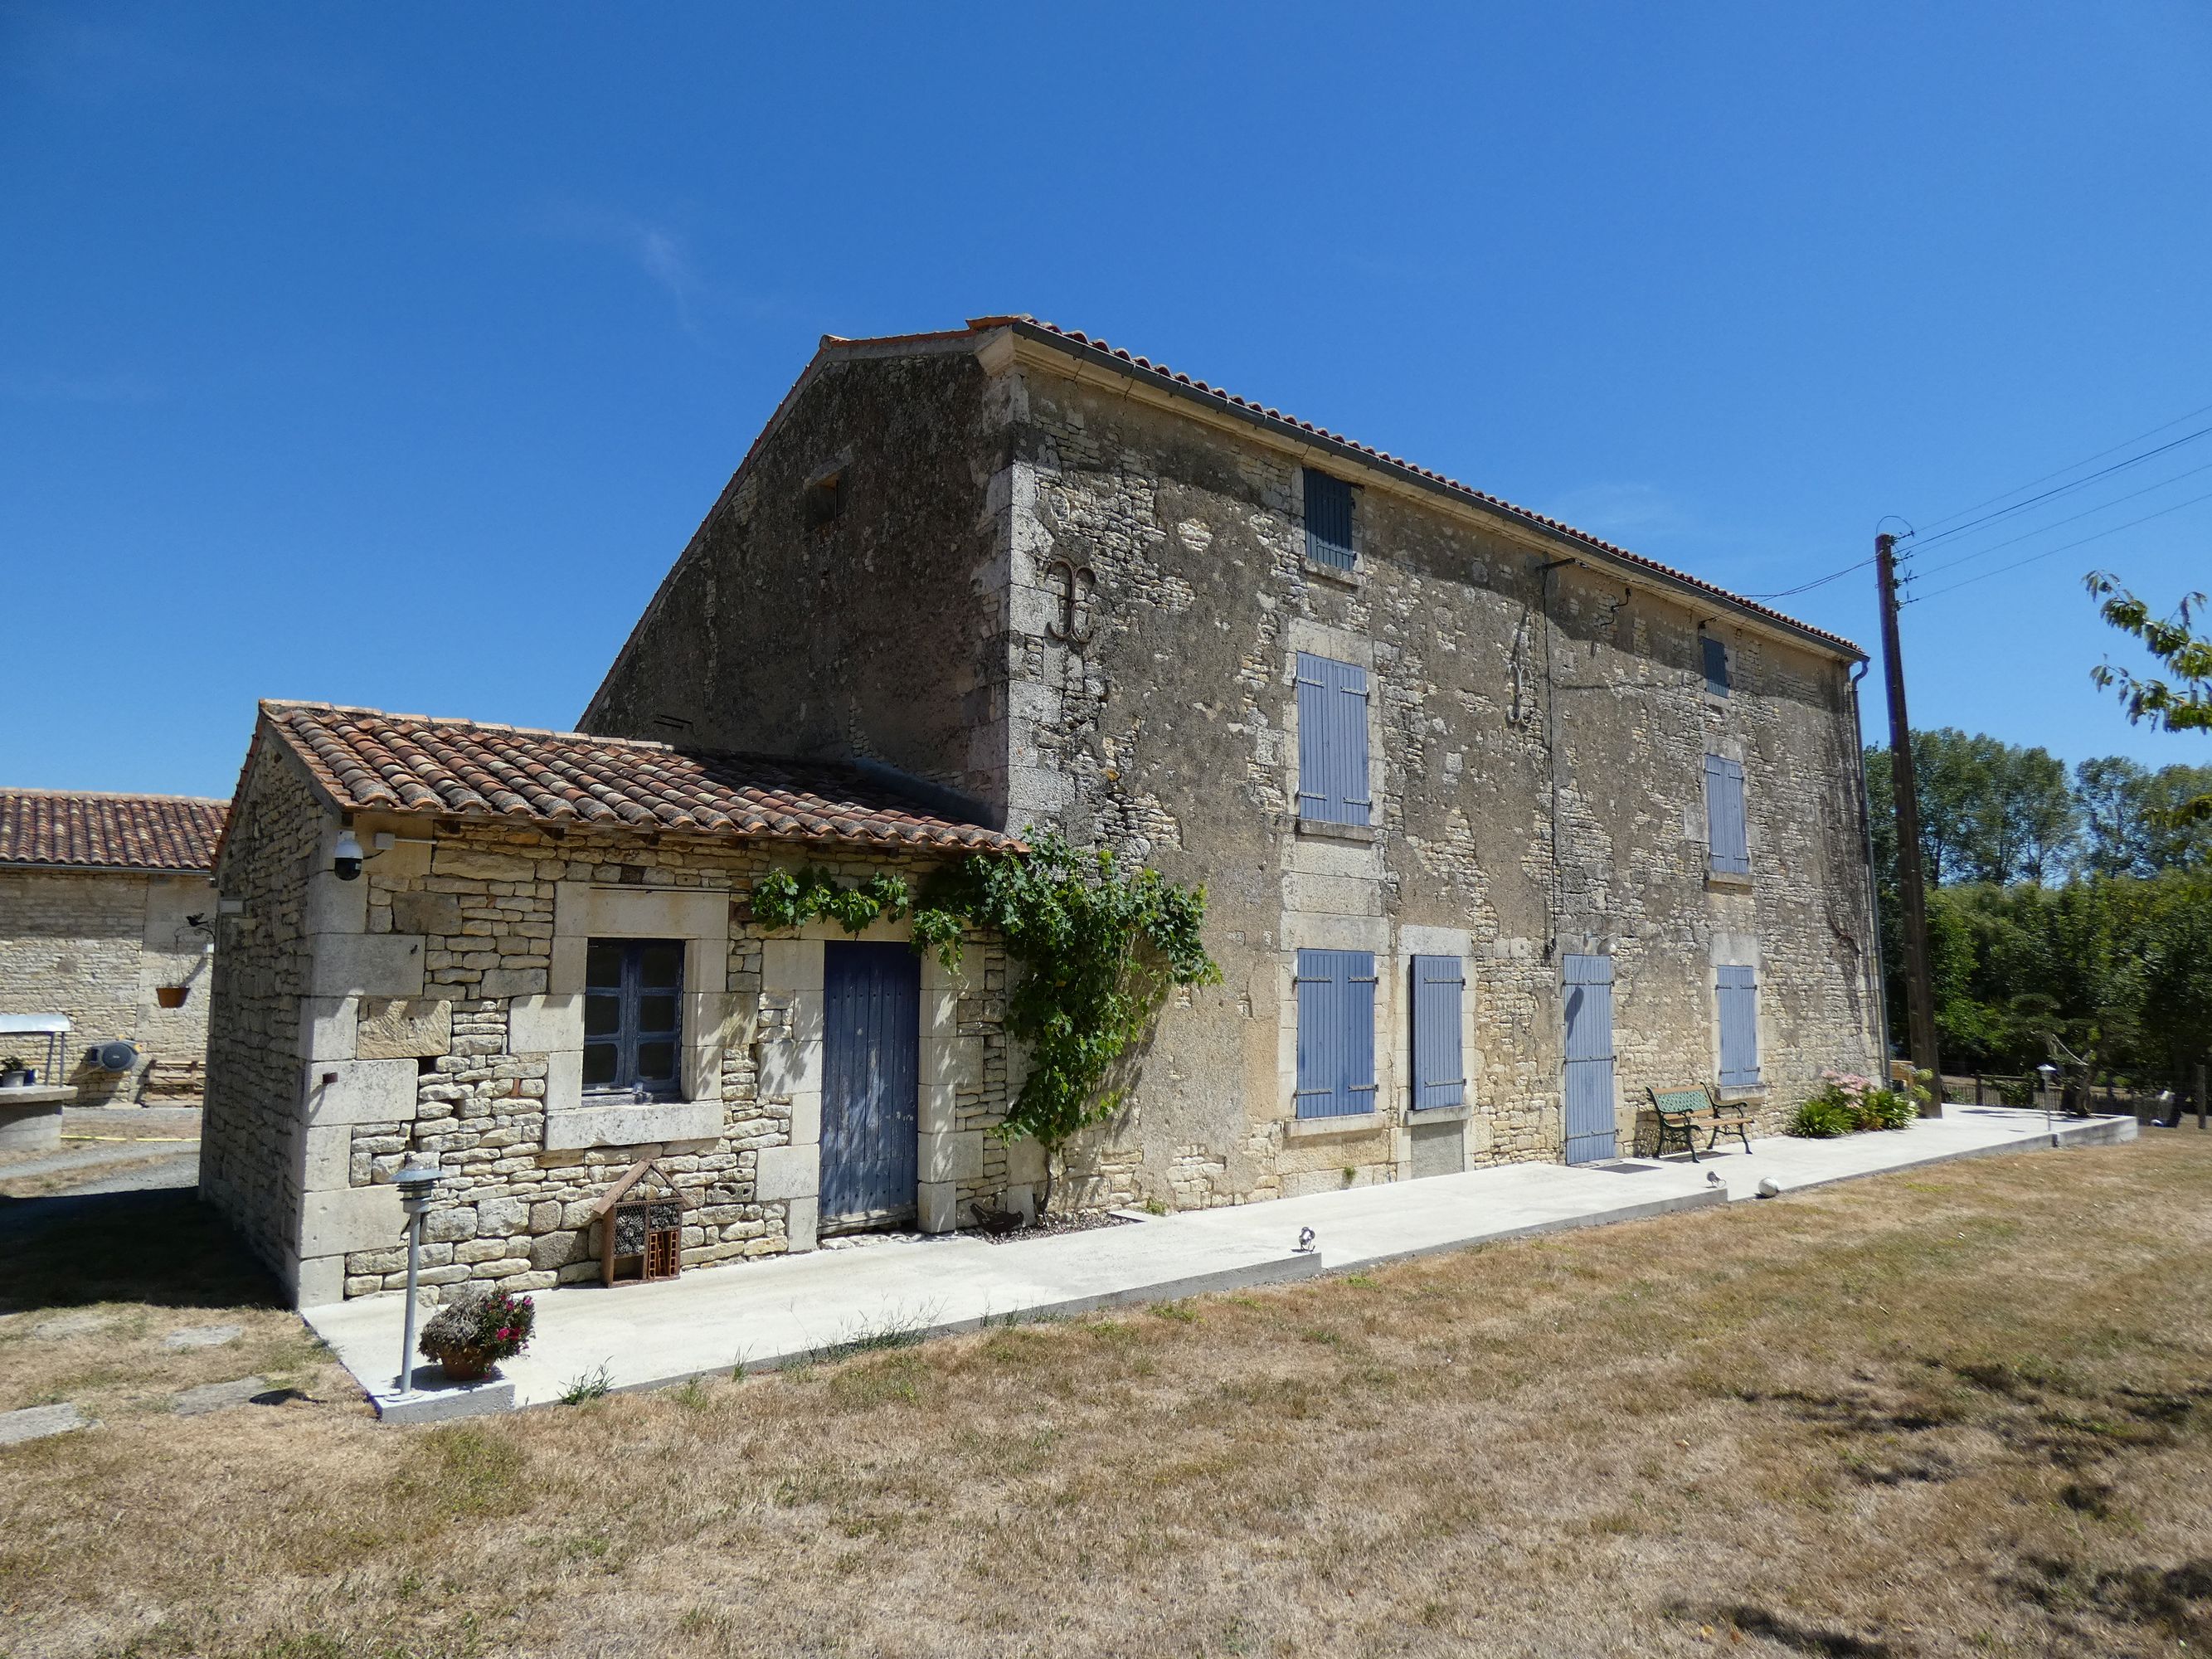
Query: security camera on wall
<point>346,857</point>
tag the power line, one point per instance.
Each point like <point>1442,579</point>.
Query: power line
<point>2062,471</point>
<point>2087,512</point>
<point>2060,490</point>
<point>2083,541</point>
<point>1818,581</point>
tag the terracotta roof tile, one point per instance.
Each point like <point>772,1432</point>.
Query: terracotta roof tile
<point>1091,344</point>
<point>79,830</point>
<point>369,761</point>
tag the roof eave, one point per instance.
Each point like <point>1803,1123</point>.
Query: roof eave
<point>1289,433</point>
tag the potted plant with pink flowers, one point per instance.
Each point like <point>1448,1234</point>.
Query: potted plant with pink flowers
<point>477,1330</point>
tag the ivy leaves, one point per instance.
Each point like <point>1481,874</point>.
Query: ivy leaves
<point>1098,944</point>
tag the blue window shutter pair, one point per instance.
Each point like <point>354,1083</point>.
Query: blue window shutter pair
<point>1716,665</point>
<point>1332,740</point>
<point>1439,1073</point>
<point>1328,520</point>
<point>1336,1033</point>
<point>1738,990</point>
<point>1726,837</point>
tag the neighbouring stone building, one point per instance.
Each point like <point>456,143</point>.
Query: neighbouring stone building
<point>106,917</point>
<point>543,967</point>
<point>1500,824</point>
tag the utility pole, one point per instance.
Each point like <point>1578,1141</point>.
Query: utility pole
<point>1919,985</point>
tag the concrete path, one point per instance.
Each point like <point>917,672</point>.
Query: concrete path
<point>773,1312</point>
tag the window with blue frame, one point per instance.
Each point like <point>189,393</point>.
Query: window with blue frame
<point>1328,520</point>
<point>1336,1033</point>
<point>1718,677</point>
<point>1439,1074</point>
<point>633,1018</point>
<point>1736,991</point>
<point>1728,834</point>
<point>1332,740</point>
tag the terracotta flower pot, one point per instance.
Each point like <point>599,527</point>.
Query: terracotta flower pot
<point>465,1364</point>
<point>170,996</point>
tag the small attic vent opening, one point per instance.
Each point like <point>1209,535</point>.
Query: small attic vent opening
<point>824,498</point>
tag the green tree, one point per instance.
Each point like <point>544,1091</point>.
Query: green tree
<point>2131,824</point>
<point>1988,811</point>
<point>2183,703</point>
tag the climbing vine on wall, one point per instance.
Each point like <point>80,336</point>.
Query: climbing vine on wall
<point>1097,944</point>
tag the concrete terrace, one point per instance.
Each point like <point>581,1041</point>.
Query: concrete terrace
<point>777,1312</point>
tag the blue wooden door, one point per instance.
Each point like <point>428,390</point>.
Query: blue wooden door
<point>871,1063</point>
<point>1589,1087</point>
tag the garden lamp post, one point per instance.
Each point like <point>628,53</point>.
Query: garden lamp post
<point>418,1185</point>
<point>2049,1073</point>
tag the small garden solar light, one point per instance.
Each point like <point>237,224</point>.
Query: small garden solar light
<point>2049,1073</point>
<point>418,1187</point>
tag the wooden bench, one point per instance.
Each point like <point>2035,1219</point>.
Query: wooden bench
<point>1682,1112</point>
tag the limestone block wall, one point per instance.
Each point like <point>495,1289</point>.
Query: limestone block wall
<point>251,1139</point>
<point>1537,741</point>
<point>440,1017</point>
<point>93,945</point>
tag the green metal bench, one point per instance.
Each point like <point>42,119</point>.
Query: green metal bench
<point>1682,1112</point>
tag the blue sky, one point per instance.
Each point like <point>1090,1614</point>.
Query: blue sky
<point>390,357</point>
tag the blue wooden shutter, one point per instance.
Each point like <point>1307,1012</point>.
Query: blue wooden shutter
<point>1328,520</point>
<point>1332,740</point>
<point>1588,1086</point>
<point>1739,1010</point>
<point>1727,837</point>
<point>1716,665</point>
<point>1439,1075</point>
<point>1336,1033</point>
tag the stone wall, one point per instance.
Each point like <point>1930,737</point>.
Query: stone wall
<point>884,589</point>
<point>1537,736</point>
<point>94,945</point>
<point>250,1132</point>
<point>1538,729</point>
<point>440,1014</point>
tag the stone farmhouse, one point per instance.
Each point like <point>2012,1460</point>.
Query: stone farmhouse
<point>1499,824</point>
<point>106,919</point>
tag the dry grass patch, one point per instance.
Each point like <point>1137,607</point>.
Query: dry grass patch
<point>1964,1412</point>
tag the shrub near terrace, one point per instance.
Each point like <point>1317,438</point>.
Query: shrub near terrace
<point>1847,1103</point>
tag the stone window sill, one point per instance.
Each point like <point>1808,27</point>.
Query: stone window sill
<point>1352,1123</point>
<point>1753,1096</point>
<point>1366,833</point>
<point>1458,1113</point>
<point>626,1123</point>
<point>1330,573</point>
<point>1720,881</point>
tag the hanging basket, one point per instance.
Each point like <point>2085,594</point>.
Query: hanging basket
<point>172,996</point>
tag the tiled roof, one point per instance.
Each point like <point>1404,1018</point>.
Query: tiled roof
<point>367,761</point>
<point>1086,344</point>
<point>76,830</point>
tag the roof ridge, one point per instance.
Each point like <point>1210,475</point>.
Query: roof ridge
<point>1121,357</point>
<point>397,718</point>
<point>6,790</point>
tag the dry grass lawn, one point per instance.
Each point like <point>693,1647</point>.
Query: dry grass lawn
<point>1962,1411</point>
